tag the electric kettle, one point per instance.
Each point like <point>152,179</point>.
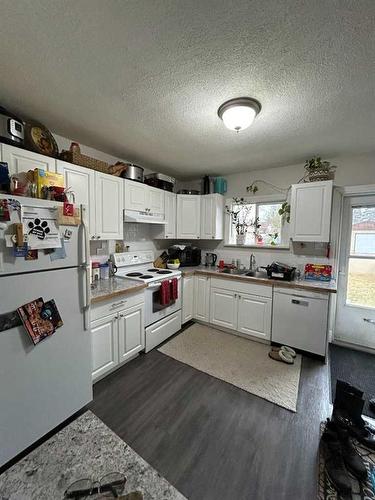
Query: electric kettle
<point>211,259</point>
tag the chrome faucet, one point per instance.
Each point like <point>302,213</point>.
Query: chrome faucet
<point>252,262</point>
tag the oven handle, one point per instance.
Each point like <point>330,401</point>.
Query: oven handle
<point>157,285</point>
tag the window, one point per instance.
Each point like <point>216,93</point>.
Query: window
<point>260,223</point>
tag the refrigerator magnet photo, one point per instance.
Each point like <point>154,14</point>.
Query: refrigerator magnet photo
<point>37,325</point>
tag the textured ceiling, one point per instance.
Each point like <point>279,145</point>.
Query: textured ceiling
<point>142,79</point>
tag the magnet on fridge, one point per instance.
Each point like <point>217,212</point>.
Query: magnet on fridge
<point>31,255</point>
<point>68,234</point>
<point>68,209</point>
<point>20,251</point>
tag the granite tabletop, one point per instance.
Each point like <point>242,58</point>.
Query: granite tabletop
<point>86,448</point>
<point>315,286</point>
<point>113,287</point>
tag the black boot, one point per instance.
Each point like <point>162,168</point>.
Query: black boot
<point>353,461</point>
<point>334,463</point>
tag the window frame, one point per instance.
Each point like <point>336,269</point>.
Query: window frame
<point>258,200</point>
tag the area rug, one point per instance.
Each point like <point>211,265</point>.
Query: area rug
<point>356,368</point>
<point>360,491</point>
<point>238,361</point>
<point>86,448</point>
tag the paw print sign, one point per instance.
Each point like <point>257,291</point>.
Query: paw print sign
<point>39,228</point>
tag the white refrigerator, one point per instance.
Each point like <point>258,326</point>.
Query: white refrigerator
<point>42,385</point>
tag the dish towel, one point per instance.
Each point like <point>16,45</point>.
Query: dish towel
<point>165,293</point>
<point>174,289</point>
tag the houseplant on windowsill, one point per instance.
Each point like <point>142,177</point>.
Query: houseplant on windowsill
<point>240,219</point>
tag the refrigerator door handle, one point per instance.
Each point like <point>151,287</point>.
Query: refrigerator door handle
<point>86,269</point>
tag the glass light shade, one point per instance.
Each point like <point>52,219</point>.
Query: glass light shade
<point>239,113</point>
<point>238,117</point>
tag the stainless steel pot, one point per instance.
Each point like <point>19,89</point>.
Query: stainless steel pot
<point>133,172</point>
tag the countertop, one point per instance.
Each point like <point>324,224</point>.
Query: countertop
<point>314,286</point>
<point>86,448</point>
<point>113,287</point>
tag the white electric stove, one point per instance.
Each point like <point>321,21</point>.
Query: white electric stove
<point>161,321</point>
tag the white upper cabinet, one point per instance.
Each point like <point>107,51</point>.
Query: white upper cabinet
<point>21,160</point>
<point>82,182</point>
<point>135,196</point>
<point>188,216</point>
<point>212,217</point>
<point>109,206</point>
<point>310,214</point>
<point>143,198</point>
<point>168,230</point>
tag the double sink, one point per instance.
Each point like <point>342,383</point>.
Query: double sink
<point>253,273</point>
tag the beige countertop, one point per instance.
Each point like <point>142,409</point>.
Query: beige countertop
<point>113,287</point>
<point>317,286</point>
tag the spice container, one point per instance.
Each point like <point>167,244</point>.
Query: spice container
<point>104,271</point>
<point>95,271</point>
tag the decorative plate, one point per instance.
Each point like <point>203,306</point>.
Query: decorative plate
<point>39,139</point>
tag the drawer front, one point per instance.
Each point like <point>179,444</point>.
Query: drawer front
<point>240,286</point>
<point>101,309</point>
<point>161,330</point>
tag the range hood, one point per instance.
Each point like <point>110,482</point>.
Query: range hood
<point>143,217</point>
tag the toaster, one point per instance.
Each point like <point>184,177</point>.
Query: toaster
<point>12,129</point>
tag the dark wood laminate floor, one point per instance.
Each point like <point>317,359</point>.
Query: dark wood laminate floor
<point>212,440</point>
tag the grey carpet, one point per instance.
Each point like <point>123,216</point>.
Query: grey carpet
<point>356,368</point>
<point>238,361</point>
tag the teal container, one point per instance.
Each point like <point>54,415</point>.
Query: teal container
<point>220,185</point>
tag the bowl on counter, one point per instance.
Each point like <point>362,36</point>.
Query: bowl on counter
<point>172,266</point>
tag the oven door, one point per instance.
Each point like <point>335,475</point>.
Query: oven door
<point>154,311</point>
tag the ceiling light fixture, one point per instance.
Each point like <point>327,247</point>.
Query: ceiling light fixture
<point>239,113</point>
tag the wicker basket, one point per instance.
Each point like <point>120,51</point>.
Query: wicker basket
<point>320,174</point>
<point>85,161</point>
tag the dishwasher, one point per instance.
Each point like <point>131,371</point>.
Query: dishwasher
<point>300,319</point>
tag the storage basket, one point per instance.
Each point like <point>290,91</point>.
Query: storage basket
<point>85,161</point>
<point>320,174</point>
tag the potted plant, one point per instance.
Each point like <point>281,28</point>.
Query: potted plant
<point>240,219</point>
<point>318,170</point>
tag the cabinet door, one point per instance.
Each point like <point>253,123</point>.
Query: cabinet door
<point>82,182</point>
<point>254,315</point>
<point>223,308</point>
<point>109,206</point>
<point>310,213</point>
<point>155,200</point>
<point>21,160</point>
<point>207,217</point>
<point>170,215</point>
<point>188,216</point>
<point>187,298</point>
<point>104,345</point>
<point>131,332</point>
<point>201,297</point>
<point>136,195</point>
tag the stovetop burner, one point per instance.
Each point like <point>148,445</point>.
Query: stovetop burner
<point>135,275</point>
<point>146,276</point>
<point>153,270</point>
<point>164,272</point>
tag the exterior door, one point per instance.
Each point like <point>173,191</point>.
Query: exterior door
<point>355,315</point>
<point>104,345</point>
<point>223,308</point>
<point>131,332</point>
<point>254,316</point>
<point>21,160</point>
<point>109,206</point>
<point>82,182</point>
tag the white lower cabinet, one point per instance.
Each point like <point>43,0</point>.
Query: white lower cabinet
<point>254,315</point>
<point>104,345</point>
<point>246,308</point>
<point>202,297</point>
<point>223,308</point>
<point>187,298</point>
<point>117,336</point>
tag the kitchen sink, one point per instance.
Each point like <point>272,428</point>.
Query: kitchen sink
<point>245,272</point>
<point>257,274</point>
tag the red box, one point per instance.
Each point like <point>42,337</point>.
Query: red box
<point>318,272</point>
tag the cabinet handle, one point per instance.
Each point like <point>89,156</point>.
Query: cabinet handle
<point>369,320</point>
<point>98,237</point>
<point>239,296</point>
<point>235,295</point>
<point>115,318</point>
<point>121,315</point>
<point>300,302</point>
<point>116,304</point>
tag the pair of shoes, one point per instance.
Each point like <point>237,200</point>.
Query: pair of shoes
<point>340,456</point>
<point>284,353</point>
<point>347,413</point>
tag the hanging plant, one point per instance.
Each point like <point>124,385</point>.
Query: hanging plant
<point>284,211</point>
